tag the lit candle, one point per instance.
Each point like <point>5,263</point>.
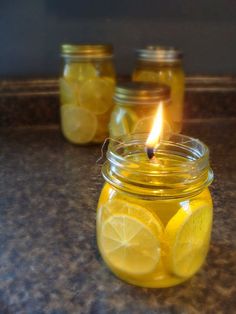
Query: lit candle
<point>154,218</point>
<point>154,138</point>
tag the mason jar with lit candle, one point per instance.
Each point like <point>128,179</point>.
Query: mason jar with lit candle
<point>135,107</point>
<point>154,215</point>
<point>163,65</point>
<point>86,92</point>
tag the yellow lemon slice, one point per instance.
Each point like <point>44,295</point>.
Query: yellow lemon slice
<point>68,92</point>
<point>79,71</point>
<point>121,207</point>
<point>96,95</point>
<point>118,125</point>
<point>188,235</point>
<point>70,71</point>
<point>86,71</point>
<point>129,245</point>
<point>132,118</point>
<point>78,124</point>
<point>122,122</point>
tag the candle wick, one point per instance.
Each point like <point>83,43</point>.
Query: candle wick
<point>150,152</point>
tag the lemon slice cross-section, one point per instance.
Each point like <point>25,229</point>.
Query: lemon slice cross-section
<point>122,122</point>
<point>188,235</point>
<point>129,245</point>
<point>96,95</point>
<point>121,207</point>
<point>79,71</point>
<point>86,71</point>
<point>130,237</point>
<point>118,124</point>
<point>68,92</point>
<point>78,124</point>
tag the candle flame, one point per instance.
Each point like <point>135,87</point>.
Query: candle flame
<point>155,134</point>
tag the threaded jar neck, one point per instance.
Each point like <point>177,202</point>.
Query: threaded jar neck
<point>86,51</point>
<point>159,54</point>
<point>180,168</point>
<point>140,93</point>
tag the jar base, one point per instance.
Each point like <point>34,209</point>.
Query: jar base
<point>165,282</point>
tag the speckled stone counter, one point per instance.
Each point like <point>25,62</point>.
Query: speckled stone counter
<point>49,262</point>
<point>36,102</point>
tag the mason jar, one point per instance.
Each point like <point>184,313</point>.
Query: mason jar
<point>135,107</point>
<point>154,218</point>
<point>163,65</point>
<point>86,92</point>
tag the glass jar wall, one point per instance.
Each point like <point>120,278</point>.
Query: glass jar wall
<point>86,91</point>
<point>154,218</point>
<point>135,107</point>
<point>163,65</point>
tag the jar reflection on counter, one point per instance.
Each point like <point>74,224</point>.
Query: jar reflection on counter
<point>86,92</point>
<point>163,65</point>
<point>135,107</point>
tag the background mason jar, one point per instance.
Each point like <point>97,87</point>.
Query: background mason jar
<point>86,92</point>
<point>136,105</point>
<point>163,65</point>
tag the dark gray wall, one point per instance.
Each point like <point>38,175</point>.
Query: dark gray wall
<point>31,32</point>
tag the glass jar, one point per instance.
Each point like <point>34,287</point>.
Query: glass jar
<point>163,65</point>
<point>135,107</point>
<point>154,217</point>
<point>86,92</point>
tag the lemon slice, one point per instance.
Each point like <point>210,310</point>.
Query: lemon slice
<point>132,118</point>
<point>70,71</point>
<point>79,71</point>
<point>122,122</point>
<point>86,71</point>
<point>96,95</point>
<point>78,124</point>
<point>118,124</point>
<point>68,92</point>
<point>117,206</point>
<point>188,235</point>
<point>129,245</point>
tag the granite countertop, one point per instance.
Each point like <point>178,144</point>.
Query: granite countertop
<point>49,261</point>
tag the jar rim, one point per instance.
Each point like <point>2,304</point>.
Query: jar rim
<point>188,177</point>
<point>86,50</point>
<point>155,53</point>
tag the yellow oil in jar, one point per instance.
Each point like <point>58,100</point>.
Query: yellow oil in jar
<point>153,242</point>
<point>135,108</point>
<point>163,65</point>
